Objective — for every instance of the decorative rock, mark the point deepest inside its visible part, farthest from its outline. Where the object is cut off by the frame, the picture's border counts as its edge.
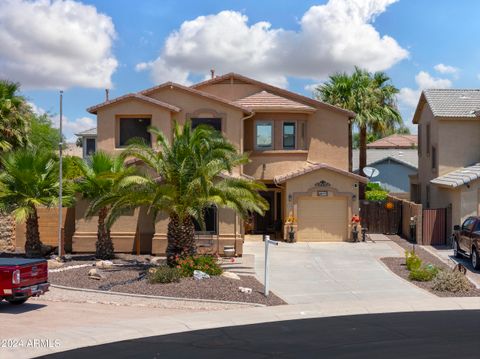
(104, 264)
(157, 261)
(54, 263)
(95, 274)
(199, 275)
(245, 290)
(231, 275)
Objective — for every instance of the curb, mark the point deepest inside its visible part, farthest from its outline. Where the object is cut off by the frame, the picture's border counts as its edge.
(132, 295)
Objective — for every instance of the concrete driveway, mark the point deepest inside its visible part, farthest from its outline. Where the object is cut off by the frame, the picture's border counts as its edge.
(304, 273)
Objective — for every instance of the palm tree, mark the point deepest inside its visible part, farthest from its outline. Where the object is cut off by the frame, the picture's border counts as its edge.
(371, 96)
(29, 179)
(15, 117)
(99, 175)
(188, 175)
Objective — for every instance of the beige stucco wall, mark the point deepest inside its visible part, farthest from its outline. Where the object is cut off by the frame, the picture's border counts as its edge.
(340, 185)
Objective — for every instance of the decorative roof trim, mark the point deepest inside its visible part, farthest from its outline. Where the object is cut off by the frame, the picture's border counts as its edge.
(86, 133)
(314, 167)
(274, 89)
(460, 177)
(195, 92)
(137, 96)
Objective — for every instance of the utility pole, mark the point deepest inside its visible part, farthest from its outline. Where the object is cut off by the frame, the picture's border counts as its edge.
(60, 179)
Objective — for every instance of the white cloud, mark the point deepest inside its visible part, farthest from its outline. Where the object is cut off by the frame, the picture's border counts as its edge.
(55, 44)
(445, 69)
(409, 97)
(311, 87)
(332, 37)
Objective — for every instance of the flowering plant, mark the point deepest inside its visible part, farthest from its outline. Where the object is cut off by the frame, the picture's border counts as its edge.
(356, 218)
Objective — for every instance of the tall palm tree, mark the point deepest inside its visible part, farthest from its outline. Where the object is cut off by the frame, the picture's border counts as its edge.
(187, 176)
(100, 175)
(371, 96)
(29, 180)
(15, 115)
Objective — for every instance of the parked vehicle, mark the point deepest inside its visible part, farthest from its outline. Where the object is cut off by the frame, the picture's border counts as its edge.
(466, 240)
(22, 278)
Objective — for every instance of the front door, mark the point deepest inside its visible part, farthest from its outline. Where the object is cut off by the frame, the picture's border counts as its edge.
(270, 223)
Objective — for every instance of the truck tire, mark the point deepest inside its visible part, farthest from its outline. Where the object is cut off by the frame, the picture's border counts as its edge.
(456, 252)
(475, 259)
(17, 301)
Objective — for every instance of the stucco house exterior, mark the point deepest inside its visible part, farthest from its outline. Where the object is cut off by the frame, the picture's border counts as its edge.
(297, 146)
(449, 153)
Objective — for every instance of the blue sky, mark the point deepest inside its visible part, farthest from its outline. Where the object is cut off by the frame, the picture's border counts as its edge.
(86, 46)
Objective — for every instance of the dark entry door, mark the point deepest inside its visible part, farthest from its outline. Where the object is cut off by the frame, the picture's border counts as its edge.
(269, 223)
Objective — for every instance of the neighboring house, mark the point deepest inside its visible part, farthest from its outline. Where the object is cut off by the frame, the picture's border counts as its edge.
(449, 152)
(298, 147)
(89, 141)
(395, 141)
(395, 167)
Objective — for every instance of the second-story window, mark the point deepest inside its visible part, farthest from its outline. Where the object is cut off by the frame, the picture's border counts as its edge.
(289, 133)
(134, 128)
(264, 135)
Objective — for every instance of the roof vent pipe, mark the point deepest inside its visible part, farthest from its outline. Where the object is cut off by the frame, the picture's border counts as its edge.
(212, 72)
(107, 92)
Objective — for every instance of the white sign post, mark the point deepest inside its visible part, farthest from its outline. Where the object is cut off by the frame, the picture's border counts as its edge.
(266, 281)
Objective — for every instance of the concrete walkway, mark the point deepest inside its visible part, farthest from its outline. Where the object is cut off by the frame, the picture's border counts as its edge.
(340, 273)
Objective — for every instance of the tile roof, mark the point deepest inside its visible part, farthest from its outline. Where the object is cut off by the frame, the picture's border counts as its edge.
(137, 96)
(89, 132)
(264, 100)
(458, 177)
(395, 141)
(312, 166)
(273, 89)
(406, 156)
(195, 92)
(453, 102)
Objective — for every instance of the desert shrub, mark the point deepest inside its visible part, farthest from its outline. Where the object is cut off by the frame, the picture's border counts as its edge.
(207, 264)
(424, 273)
(412, 261)
(164, 274)
(376, 195)
(451, 281)
(372, 186)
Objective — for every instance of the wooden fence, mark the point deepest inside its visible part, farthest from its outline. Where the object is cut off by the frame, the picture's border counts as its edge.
(434, 226)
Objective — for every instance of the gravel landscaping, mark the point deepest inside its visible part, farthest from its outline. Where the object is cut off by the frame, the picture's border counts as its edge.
(124, 279)
(397, 265)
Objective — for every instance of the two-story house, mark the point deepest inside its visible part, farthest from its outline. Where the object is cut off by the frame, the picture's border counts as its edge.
(298, 147)
(448, 153)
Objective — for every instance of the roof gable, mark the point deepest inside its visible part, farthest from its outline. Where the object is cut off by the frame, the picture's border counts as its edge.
(133, 96)
(267, 101)
(274, 90)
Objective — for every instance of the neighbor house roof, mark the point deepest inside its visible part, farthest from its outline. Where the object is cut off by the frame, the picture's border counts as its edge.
(267, 101)
(455, 103)
(395, 141)
(458, 177)
(89, 132)
(137, 96)
(273, 89)
(312, 166)
(407, 156)
(197, 93)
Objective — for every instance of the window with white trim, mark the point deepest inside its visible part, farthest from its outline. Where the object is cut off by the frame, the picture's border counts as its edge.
(289, 133)
(264, 135)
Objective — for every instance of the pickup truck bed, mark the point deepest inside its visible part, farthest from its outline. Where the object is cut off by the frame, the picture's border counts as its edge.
(22, 278)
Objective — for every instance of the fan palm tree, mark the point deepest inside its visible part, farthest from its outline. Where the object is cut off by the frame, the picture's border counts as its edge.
(188, 175)
(14, 117)
(371, 96)
(100, 175)
(29, 180)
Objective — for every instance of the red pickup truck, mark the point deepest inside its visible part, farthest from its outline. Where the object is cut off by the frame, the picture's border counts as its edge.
(22, 278)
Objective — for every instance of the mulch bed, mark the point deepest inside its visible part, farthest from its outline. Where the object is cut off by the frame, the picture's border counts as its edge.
(397, 266)
(124, 280)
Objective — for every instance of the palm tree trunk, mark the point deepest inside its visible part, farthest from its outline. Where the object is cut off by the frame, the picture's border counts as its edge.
(181, 239)
(363, 157)
(33, 245)
(104, 245)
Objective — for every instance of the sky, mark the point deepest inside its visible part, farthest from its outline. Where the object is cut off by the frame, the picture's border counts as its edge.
(83, 47)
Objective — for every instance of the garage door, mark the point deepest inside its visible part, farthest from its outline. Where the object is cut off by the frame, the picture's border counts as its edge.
(322, 219)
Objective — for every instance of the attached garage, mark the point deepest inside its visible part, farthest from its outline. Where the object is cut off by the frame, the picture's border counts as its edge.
(322, 219)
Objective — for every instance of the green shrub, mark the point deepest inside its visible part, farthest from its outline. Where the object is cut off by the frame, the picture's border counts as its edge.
(412, 261)
(207, 264)
(423, 274)
(372, 186)
(164, 274)
(451, 281)
(376, 195)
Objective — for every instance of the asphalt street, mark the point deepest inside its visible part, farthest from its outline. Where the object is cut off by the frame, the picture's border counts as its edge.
(443, 334)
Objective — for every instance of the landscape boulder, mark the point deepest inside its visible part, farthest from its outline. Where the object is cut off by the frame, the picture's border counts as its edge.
(95, 274)
(54, 263)
(231, 275)
(104, 264)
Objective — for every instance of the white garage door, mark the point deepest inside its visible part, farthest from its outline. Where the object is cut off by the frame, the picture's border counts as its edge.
(322, 219)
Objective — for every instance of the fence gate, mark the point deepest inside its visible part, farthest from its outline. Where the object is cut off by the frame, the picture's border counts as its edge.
(434, 226)
(382, 217)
